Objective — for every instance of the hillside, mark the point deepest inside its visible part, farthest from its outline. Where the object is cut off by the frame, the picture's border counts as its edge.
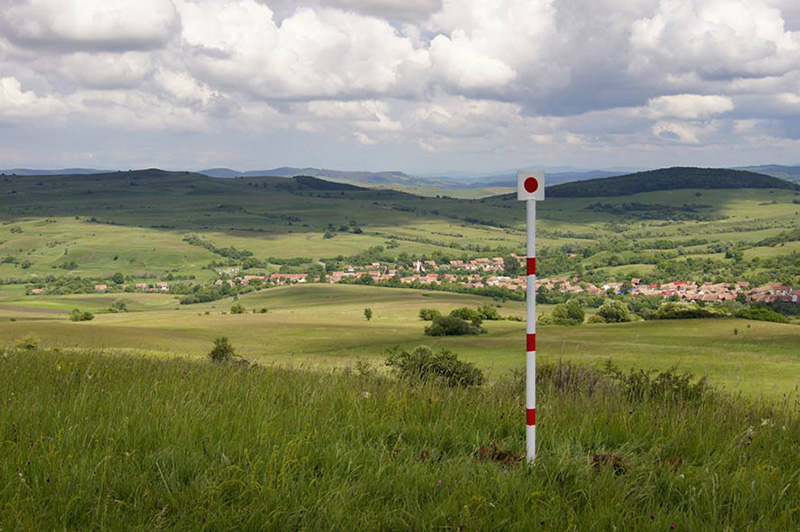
(354, 177)
(98, 442)
(668, 179)
(789, 173)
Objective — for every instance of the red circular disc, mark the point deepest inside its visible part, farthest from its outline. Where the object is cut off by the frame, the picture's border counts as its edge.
(531, 185)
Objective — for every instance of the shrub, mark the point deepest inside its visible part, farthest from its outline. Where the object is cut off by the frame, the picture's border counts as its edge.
(614, 312)
(489, 312)
(422, 364)
(666, 386)
(762, 314)
(429, 314)
(368, 313)
(237, 308)
(263, 310)
(682, 310)
(78, 315)
(466, 313)
(452, 326)
(223, 351)
(118, 305)
(569, 313)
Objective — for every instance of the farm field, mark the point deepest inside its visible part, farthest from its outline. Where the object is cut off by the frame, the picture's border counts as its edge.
(323, 326)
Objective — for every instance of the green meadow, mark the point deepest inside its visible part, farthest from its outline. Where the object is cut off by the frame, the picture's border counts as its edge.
(98, 441)
(323, 326)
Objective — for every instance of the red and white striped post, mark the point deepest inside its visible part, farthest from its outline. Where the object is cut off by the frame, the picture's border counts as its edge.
(530, 188)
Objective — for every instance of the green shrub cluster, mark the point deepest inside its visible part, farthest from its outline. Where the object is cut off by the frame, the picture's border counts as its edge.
(79, 315)
(423, 364)
(453, 326)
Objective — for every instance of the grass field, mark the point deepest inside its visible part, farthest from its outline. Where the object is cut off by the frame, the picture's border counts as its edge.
(143, 218)
(324, 326)
(92, 441)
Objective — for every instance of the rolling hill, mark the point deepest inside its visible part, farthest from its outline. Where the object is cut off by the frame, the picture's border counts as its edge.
(668, 179)
(789, 173)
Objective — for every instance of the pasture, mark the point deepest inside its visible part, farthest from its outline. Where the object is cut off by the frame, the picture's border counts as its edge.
(323, 326)
(96, 441)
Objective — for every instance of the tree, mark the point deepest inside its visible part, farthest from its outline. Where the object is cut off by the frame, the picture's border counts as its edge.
(614, 312)
(78, 315)
(429, 314)
(237, 308)
(741, 297)
(368, 313)
(222, 350)
(452, 326)
(510, 266)
(569, 313)
(118, 278)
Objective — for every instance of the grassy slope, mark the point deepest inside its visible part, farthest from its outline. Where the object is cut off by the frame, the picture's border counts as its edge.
(322, 325)
(92, 442)
(234, 212)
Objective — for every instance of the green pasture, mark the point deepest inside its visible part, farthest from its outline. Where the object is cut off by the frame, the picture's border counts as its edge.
(94, 441)
(324, 326)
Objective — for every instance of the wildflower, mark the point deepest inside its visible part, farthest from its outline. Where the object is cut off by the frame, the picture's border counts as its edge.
(365, 395)
(439, 483)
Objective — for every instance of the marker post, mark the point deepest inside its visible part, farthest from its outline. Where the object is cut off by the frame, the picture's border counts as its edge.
(530, 189)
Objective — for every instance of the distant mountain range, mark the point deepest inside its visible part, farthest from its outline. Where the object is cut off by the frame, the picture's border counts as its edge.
(556, 175)
(790, 173)
(60, 171)
(392, 177)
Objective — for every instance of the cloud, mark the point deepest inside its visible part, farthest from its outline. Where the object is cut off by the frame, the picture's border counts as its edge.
(478, 82)
(312, 54)
(90, 24)
(689, 106)
(16, 103)
(714, 39)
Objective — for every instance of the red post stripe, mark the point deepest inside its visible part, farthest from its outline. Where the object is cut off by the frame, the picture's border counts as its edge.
(531, 265)
(531, 342)
(530, 416)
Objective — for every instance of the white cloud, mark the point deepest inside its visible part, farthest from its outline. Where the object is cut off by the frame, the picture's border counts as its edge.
(457, 80)
(715, 39)
(17, 103)
(689, 106)
(90, 24)
(312, 54)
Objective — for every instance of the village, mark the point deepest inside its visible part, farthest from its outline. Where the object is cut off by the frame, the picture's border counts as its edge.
(489, 272)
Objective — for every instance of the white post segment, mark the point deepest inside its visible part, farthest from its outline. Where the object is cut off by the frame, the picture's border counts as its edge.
(530, 188)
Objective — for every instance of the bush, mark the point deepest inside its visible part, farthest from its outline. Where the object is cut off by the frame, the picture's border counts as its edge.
(466, 313)
(422, 364)
(118, 305)
(78, 315)
(223, 351)
(683, 310)
(665, 386)
(614, 312)
(762, 314)
(569, 313)
(237, 308)
(368, 314)
(489, 312)
(452, 326)
(429, 314)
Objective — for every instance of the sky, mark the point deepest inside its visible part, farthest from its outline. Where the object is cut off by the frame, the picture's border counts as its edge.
(423, 86)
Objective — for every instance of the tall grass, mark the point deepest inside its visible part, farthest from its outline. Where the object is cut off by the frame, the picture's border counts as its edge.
(99, 442)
